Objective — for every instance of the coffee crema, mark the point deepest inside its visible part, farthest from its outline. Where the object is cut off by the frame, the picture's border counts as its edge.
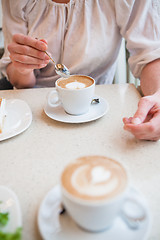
(94, 178)
(75, 82)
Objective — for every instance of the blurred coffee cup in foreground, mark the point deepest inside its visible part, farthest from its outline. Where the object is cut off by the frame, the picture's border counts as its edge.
(94, 190)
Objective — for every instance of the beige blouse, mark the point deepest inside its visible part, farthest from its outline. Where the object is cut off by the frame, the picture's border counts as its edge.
(86, 35)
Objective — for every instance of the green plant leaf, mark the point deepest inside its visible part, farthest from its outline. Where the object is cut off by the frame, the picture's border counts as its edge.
(4, 217)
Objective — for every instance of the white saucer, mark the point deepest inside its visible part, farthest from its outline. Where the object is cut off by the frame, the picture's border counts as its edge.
(9, 203)
(18, 118)
(96, 111)
(53, 226)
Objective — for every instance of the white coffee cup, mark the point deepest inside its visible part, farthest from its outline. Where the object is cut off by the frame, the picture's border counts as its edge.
(95, 203)
(74, 93)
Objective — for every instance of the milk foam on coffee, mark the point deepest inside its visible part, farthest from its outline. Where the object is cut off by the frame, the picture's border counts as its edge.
(75, 82)
(100, 182)
(94, 178)
(75, 85)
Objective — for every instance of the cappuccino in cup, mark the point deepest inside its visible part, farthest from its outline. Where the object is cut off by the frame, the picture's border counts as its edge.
(74, 93)
(75, 82)
(94, 178)
(93, 191)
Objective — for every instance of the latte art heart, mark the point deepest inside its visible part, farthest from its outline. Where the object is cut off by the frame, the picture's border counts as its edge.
(75, 85)
(99, 174)
(93, 183)
(94, 178)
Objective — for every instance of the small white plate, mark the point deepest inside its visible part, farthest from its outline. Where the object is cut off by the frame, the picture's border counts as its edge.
(18, 118)
(53, 226)
(9, 203)
(96, 111)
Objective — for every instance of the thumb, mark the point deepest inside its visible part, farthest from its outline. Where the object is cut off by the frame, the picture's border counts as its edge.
(144, 106)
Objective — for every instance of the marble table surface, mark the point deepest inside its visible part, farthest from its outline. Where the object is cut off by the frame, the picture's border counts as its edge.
(31, 162)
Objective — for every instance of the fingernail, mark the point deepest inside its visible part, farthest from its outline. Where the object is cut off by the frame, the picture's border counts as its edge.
(126, 120)
(130, 119)
(136, 121)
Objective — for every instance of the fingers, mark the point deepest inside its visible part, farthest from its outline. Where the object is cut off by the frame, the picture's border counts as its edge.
(27, 59)
(144, 106)
(127, 120)
(149, 130)
(27, 52)
(145, 132)
(43, 40)
(145, 124)
(29, 41)
(21, 66)
(131, 120)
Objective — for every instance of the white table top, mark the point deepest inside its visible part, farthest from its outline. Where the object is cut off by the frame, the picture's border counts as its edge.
(32, 161)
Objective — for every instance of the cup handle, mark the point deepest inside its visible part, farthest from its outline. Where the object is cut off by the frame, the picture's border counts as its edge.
(53, 99)
(133, 213)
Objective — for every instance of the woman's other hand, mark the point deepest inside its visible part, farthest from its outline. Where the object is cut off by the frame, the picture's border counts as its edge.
(145, 124)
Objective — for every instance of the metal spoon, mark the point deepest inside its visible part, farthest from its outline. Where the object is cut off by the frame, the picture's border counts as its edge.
(60, 68)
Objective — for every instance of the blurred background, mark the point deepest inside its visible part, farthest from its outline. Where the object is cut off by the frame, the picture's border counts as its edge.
(123, 74)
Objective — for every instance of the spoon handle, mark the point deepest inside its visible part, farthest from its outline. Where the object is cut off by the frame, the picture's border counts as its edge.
(50, 57)
(48, 54)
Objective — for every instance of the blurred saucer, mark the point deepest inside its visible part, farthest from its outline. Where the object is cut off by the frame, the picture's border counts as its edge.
(97, 110)
(53, 226)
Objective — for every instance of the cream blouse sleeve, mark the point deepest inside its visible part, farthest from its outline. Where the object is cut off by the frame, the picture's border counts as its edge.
(14, 21)
(139, 23)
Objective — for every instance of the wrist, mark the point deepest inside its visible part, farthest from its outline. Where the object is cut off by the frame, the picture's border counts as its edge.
(21, 78)
(20, 71)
